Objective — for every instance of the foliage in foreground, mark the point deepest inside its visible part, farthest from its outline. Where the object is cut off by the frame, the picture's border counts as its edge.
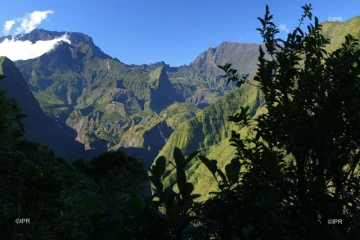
(298, 170)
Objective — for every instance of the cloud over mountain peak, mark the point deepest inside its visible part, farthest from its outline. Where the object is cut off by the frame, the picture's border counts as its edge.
(16, 49)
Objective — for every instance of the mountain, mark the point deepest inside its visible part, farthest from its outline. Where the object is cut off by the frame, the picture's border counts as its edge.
(201, 81)
(110, 105)
(210, 126)
(209, 130)
(336, 31)
(80, 40)
(98, 97)
(240, 54)
(38, 126)
(106, 104)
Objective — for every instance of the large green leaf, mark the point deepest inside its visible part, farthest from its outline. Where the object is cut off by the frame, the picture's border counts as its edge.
(180, 167)
(229, 172)
(160, 165)
(179, 158)
(236, 169)
(186, 190)
(191, 156)
(91, 205)
(158, 184)
(211, 165)
(174, 213)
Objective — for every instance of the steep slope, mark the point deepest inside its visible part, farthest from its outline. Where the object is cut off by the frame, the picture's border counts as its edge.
(38, 126)
(336, 31)
(111, 105)
(193, 135)
(242, 55)
(223, 152)
(97, 96)
(201, 81)
(210, 126)
(209, 132)
(177, 113)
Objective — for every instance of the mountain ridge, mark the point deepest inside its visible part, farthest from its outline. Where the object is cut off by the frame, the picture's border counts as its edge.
(110, 104)
(38, 126)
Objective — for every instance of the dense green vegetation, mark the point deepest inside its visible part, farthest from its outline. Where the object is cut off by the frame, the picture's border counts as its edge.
(247, 95)
(294, 164)
(38, 127)
(101, 98)
(57, 197)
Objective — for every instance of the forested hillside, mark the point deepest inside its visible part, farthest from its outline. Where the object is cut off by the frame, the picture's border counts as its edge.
(270, 155)
(38, 126)
(108, 105)
(209, 131)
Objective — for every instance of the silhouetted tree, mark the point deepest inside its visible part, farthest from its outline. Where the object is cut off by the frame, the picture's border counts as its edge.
(300, 167)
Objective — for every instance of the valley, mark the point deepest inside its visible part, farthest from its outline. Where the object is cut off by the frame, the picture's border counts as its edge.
(105, 104)
(249, 140)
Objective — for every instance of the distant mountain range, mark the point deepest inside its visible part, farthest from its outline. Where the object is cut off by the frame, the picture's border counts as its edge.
(38, 126)
(105, 104)
(209, 131)
(110, 105)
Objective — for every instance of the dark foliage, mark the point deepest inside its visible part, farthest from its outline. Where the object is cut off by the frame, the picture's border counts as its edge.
(296, 170)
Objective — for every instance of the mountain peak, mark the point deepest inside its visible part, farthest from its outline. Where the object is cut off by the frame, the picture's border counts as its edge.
(40, 34)
(82, 42)
(38, 127)
(7, 64)
(4, 59)
(158, 77)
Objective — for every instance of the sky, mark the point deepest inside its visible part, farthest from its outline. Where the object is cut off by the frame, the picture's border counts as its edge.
(148, 31)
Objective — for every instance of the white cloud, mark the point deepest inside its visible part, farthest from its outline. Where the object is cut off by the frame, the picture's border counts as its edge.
(23, 50)
(28, 22)
(7, 26)
(283, 27)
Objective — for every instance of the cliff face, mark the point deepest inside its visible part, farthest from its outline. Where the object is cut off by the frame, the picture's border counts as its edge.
(243, 56)
(105, 104)
(38, 126)
(162, 92)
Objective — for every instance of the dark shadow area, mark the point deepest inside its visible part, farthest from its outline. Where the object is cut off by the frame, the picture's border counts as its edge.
(156, 136)
(120, 83)
(79, 149)
(61, 120)
(96, 143)
(201, 106)
(45, 83)
(87, 111)
(33, 88)
(142, 154)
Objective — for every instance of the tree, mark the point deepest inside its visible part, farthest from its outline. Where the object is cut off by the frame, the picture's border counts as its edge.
(295, 172)
(300, 168)
(11, 119)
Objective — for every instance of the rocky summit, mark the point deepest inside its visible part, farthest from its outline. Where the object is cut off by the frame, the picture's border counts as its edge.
(105, 104)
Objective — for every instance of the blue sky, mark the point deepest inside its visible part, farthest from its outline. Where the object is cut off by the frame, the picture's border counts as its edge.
(174, 31)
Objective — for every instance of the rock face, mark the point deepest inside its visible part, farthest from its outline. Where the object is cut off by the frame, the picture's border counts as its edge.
(162, 92)
(38, 126)
(83, 42)
(243, 56)
(105, 104)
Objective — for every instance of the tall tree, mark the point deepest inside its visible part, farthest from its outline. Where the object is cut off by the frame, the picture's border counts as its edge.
(301, 162)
